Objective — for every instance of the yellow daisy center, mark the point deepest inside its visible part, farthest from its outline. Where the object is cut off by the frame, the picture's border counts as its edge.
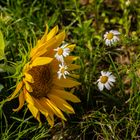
(103, 79)
(62, 70)
(60, 51)
(110, 36)
(42, 76)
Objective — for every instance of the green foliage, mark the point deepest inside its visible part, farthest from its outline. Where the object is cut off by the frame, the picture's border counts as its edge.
(2, 46)
(109, 115)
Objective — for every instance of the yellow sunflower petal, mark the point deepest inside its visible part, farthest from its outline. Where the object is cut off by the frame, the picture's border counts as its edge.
(28, 98)
(44, 38)
(26, 67)
(39, 53)
(43, 49)
(41, 61)
(73, 66)
(38, 105)
(35, 107)
(35, 49)
(21, 101)
(65, 95)
(19, 86)
(27, 85)
(35, 104)
(58, 41)
(49, 116)
(67, 83)
(52, 33)
(55, 41)
(28, 78)
(70, 59)
(71, 47)
(35, 112)
(74, 76)
(54, 108)
(60, 37)
(49, 45)
(45, 106)
(60, 103)
(47, 36)
(50, 120)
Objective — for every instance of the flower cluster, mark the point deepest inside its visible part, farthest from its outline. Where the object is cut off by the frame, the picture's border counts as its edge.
(61, 53)
(41, 85)
(107, 79)
(44, 81)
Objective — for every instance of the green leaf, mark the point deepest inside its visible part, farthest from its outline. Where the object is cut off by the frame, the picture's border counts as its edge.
(2, 46)
(1, 87)
(6, 68)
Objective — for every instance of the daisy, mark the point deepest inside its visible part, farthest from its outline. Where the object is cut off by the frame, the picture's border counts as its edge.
(39, 86)
(111, 37)
(106, 79)
(62, 52)
(62, 71)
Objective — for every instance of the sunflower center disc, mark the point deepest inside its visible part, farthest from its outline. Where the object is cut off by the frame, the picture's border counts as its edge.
(104, 79)
(42, 81)
(110, 36)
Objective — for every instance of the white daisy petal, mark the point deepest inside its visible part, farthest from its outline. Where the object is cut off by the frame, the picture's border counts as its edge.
(112, 78)
(64, 45)
(107, 42)
(64, 76)
(110, 83)
(115, 32)
(116, 39)
(59, 58)
(105, 35)
(105, 73)
(113, 40)
(100, 86)
(59, 75)
(102, 72)
(108, 73)
(107, 86)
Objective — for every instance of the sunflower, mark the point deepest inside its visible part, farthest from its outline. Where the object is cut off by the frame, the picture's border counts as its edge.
(41, 86)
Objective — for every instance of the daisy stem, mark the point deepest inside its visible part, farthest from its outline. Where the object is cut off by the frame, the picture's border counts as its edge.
(118, 76)
(77, 12)
(111, 97)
